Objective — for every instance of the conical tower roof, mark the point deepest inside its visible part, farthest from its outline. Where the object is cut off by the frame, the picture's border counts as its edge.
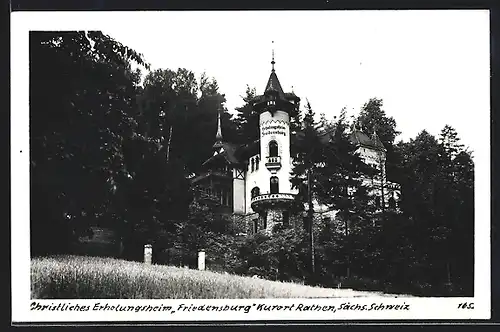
(273, 84)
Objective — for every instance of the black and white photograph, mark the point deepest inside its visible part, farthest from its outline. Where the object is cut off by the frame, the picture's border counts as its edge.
(317, 158)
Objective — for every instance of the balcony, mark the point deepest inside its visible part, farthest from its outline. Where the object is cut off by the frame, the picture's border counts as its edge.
(273, 163)
(266, 200)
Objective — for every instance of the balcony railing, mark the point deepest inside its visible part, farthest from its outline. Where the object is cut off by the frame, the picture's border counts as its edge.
(221, 173)
(266, 197)
(273, 162)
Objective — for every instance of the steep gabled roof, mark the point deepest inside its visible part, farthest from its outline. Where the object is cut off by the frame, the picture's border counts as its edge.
(228, 153)
(359, 138)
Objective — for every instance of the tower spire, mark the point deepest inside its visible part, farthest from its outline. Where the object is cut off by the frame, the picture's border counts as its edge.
(219, 129)
(272, 61)
(218, 136)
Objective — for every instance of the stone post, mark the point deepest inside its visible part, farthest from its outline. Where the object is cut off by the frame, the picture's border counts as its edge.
(148, 253)
(201, 260)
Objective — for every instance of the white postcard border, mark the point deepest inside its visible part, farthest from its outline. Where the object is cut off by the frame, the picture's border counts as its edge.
(421, 308)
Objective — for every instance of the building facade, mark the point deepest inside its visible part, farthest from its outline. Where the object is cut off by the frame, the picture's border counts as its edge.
(252, 182)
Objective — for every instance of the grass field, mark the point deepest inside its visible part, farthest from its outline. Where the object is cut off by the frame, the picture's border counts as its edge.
(82, 277)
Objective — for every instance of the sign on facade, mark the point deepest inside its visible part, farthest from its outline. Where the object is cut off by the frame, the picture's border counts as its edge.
(273, 130)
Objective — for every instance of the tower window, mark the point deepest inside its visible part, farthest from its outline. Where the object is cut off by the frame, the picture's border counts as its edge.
(257, 163)
(255, 192)
(273, 149)
(377, 202)
(286, 218)
(274, 185)
(263, 217)
(255, 225)
(253, 164)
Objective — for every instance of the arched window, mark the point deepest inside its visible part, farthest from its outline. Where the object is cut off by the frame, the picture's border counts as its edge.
(274, 185)
(392, 202)
(255, 192)
(273, 149)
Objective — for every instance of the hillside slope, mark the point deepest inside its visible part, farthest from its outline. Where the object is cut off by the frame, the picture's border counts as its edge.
(81, 277)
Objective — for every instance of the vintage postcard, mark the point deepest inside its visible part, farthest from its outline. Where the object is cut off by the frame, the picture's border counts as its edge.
(245, 166)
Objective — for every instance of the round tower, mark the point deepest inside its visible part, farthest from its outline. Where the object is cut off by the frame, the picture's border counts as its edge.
(275, 195)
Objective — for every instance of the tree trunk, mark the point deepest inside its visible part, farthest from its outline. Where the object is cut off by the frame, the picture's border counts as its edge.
(382, 201)
(448, 272)
(310, 219)
(168, 144)
(348, 256)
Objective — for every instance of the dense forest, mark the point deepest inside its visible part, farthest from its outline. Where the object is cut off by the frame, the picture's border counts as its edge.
(114, 147)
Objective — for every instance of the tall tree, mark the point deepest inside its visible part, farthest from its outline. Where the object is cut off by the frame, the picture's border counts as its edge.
(175, 105)
(373, 118)
(432, 200)
(247, 120)
(452, 195)
(340, 183)
(308, 155)
(82, 105)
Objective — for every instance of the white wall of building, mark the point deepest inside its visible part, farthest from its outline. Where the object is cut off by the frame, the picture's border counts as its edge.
(239, 194)
(372, 157)
(276, 127)
(271, 127)
(254, 179)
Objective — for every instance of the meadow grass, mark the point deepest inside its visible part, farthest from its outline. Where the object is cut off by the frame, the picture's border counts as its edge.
(85, 277)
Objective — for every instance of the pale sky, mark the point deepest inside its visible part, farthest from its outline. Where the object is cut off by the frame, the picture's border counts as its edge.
(431, 68)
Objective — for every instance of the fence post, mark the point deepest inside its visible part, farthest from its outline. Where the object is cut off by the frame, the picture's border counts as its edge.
(148, 253)
(201, 260)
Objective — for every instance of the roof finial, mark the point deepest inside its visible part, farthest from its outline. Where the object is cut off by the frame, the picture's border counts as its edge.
(272, 62)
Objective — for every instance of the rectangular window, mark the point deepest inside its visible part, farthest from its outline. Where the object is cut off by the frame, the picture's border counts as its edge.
(286, 218)
(274, 185)
(255, 225)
